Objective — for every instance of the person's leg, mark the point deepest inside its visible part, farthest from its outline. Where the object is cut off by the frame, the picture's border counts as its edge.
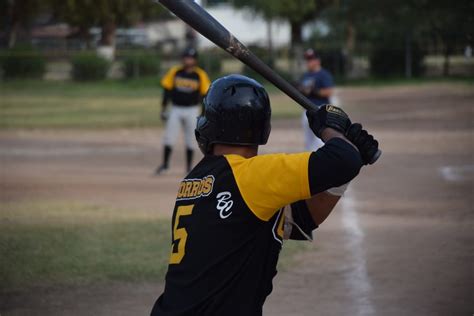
(189, 120)
(169, 139)
(189, 159)
(316, 143)
(311, 142)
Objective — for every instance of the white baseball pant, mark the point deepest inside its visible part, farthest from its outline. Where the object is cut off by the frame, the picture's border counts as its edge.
(311, 142)
(186, 117)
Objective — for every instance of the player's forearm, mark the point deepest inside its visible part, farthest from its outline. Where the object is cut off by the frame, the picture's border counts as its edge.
(325, 92)
(306, 215)
(321, 205)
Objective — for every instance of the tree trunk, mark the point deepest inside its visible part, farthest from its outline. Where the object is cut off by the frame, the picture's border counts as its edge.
(296, 34)
(350, 46)
(106, 47)
(191, 37)
(408, 56)
(296, 49)
(446, 63)
(350, 36)
(108, 34)
(84, 37)
(12, 34)
(270, 40)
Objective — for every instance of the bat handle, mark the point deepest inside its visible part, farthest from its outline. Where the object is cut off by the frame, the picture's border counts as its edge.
(375, 157)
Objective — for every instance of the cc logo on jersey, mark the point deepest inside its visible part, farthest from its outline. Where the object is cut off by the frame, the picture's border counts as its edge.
(224, 204)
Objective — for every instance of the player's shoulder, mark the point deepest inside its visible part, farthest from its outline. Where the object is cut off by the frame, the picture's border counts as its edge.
(200, 71)
(325, 72)
(266, 161)
(175, 69)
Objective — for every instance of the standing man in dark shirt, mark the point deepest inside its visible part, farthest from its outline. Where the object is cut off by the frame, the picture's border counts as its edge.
(184, 86)
(316, 84)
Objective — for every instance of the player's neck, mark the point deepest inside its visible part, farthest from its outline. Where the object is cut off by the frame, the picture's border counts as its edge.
(189, 69)
(244, 151)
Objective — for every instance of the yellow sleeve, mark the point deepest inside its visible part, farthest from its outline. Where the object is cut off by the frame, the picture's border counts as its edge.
(269, 182)
(203, 80)
(167, 81)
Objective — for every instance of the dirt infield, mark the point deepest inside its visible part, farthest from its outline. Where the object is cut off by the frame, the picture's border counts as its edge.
(401, 242)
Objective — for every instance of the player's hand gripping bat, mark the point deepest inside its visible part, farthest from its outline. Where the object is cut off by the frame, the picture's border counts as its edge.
(196, 17)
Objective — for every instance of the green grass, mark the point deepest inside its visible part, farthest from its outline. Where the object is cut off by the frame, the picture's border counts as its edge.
(107, 104)
(76, 244)
(123, 104)
(70, 244)
(289, 250)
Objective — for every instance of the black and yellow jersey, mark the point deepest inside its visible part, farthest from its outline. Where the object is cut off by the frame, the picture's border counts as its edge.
(185, 88)
(227, 227)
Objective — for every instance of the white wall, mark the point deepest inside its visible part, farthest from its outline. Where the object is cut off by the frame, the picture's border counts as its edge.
(247, 27)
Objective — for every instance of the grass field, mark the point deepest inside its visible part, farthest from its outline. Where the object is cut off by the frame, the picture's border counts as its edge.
(108, 104)
(71, 244)
(64, 243)
(111, 104)
(85, 228)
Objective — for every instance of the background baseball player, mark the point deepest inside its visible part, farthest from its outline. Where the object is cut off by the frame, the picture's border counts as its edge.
(316, 84)
(228, 220)
(184, 86)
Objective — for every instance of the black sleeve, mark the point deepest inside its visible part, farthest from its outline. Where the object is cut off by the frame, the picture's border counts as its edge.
(166, 97)
(302, 218)
(333, 165)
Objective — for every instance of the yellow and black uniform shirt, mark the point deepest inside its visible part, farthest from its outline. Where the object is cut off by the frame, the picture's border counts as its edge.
(227, 233)
(227, 226)
(185, 88)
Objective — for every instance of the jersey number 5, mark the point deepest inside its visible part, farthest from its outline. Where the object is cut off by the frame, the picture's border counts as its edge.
(180, 235)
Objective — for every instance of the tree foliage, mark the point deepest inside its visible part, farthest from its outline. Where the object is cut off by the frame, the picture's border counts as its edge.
(295, 12)
(107, 14)
(16, 15)
(406, 27)
(449, 23)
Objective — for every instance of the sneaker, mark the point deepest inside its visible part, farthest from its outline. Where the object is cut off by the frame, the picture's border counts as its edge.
(161, 170)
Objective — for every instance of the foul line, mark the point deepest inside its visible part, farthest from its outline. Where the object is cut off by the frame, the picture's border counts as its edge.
(357, 278)
(457, 173)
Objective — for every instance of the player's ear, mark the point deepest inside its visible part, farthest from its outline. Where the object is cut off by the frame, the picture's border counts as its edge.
(201, 139)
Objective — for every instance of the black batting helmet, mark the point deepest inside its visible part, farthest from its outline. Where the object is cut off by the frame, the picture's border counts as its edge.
(190, 52)
(236, 111)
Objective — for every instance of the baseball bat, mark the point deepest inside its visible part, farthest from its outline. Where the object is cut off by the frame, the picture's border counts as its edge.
(199, 19)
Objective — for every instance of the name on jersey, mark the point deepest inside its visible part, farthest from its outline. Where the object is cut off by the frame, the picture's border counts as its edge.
(186, 84)
(195, 188)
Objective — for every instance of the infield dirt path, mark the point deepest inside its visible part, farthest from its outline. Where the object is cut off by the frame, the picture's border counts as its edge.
(400, 243)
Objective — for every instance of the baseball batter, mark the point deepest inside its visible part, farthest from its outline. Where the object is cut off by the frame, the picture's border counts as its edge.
(234, 209)
(183, 86)
(317, 85)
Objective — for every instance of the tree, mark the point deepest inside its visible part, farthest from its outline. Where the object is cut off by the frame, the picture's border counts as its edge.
(410, 23)
(451, 23)
(17, 14)
(390, 27)
(296, 12)
(108, 14)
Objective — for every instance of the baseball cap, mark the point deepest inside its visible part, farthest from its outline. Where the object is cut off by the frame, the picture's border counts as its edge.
(190, 52)
(311, 54)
